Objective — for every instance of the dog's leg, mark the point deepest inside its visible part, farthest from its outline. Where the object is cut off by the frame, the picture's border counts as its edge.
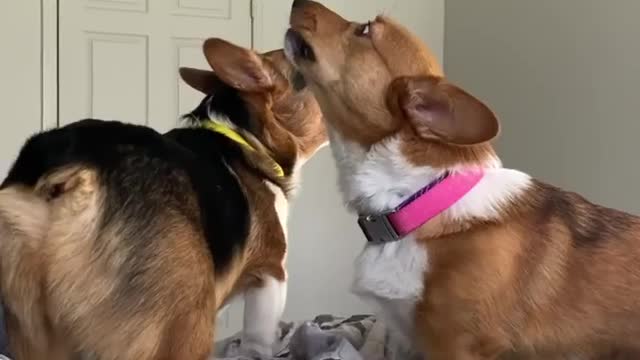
(262, 311)
(192, 336)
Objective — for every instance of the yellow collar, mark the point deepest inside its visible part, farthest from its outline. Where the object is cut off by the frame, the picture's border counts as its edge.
(226, 130)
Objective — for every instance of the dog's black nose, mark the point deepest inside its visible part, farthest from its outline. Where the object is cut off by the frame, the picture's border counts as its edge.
(297, 3)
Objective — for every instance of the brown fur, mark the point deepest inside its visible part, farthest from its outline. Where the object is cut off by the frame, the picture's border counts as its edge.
(548, 279)
(271, 98)
(266, 253)
(554, 277)
(70, 297)
(361, 72)
(60, 274)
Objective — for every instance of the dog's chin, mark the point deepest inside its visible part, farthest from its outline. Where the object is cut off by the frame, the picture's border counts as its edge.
(297, 49)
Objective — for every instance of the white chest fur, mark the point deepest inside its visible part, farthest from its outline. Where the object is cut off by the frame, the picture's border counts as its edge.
(392, 277)
(376, 180)
(281, 205)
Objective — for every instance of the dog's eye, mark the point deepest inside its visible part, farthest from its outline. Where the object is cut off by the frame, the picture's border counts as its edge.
(363, 30)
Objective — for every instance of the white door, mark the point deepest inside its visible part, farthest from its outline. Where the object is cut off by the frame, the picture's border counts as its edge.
(20, 89)
(119, 59)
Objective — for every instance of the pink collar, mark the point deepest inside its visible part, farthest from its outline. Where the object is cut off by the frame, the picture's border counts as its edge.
(421, 207)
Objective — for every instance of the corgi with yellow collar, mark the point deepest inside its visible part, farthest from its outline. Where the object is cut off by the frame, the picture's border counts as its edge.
(117, 242)
(468, 260)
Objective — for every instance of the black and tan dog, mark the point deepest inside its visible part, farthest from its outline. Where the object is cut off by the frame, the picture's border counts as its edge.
(117, 242)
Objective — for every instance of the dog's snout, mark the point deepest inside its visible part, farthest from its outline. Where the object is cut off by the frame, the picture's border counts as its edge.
(298, 3)
(314, 17)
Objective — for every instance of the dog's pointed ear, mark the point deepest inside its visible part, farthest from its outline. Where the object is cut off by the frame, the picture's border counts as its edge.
(439, 110)
(204, 81)
(237, 67)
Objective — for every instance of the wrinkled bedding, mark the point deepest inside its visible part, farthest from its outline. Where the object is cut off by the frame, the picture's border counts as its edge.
(326, 337)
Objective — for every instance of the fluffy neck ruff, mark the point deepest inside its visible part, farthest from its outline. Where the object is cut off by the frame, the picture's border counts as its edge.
(378, 179)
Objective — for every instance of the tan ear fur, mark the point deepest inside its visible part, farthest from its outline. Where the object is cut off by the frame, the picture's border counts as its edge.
(439, 110)
(204, 81)
(237, 67)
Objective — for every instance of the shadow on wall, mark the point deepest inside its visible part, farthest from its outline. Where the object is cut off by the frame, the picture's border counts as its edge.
(563, 77)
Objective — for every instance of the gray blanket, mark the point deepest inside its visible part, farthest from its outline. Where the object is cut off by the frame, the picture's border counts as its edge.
(327, 337)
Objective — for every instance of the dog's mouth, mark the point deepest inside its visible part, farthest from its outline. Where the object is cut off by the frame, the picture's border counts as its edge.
(297, 48)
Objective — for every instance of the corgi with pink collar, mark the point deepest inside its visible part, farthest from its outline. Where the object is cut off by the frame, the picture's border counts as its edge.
(468, 260)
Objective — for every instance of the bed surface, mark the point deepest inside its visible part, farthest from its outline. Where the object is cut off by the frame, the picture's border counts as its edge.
(326, 337)
(359, 337)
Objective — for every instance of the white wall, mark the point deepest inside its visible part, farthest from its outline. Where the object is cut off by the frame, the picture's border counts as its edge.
(323, 238)
(20, 85)
(563, 76)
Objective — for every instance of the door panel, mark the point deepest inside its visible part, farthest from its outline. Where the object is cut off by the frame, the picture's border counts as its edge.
(119, 59)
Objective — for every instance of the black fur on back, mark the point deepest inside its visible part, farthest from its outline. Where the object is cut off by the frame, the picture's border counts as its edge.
(148, 175)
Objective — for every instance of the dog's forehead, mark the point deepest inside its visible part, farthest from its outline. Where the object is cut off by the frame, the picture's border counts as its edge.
(404, 53)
